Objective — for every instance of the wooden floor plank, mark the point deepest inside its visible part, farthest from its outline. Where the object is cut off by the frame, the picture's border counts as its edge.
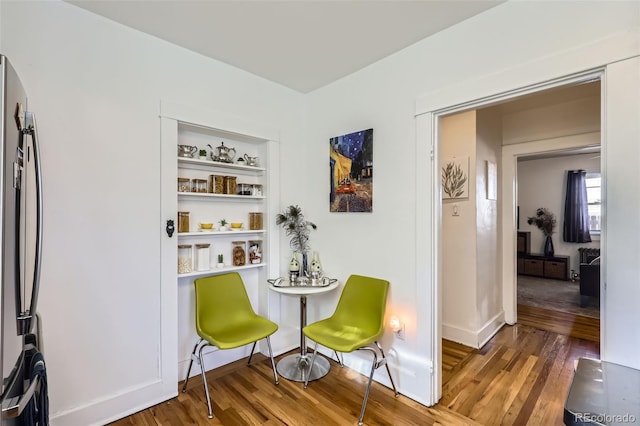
(582, 327)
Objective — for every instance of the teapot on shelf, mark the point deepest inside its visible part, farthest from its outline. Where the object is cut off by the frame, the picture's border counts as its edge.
(222, 153)
(251, 161)
(186, 150)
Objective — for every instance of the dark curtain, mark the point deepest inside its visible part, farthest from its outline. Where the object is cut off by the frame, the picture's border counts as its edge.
(576, 215)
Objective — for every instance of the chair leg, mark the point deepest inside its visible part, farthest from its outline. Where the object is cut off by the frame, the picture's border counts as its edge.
(374, 365)
(313, 360)
(204, 380)
(339, 358)
(273, 362)
(253, 348)
(193, 354)
(386, 364)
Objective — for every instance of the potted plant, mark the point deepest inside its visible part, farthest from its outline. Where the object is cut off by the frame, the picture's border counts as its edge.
(298, 228)
(545, 220)
(203, 154)
(223, 225)
(220, 263)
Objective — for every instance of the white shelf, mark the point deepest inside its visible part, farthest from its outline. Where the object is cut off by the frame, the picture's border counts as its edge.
(208, 164)
(220, 233)
(205, 195)
(218, 271)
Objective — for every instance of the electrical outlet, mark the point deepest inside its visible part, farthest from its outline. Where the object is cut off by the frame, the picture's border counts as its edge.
(400, 332)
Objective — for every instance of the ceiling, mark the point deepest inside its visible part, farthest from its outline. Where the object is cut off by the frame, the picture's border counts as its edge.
(301, 44)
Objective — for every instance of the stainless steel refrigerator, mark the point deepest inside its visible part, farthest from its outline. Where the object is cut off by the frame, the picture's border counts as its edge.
(24, 394)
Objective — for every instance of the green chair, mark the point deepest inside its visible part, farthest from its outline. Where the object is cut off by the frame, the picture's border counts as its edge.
(356, 324)
(226, 319)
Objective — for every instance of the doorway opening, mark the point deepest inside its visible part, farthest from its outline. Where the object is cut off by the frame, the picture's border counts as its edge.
(520, 107)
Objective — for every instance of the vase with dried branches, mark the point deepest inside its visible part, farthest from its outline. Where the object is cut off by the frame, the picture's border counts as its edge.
(298, 228)
(545, 221)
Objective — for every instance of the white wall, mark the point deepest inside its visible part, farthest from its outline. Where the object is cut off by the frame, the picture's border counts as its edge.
(471, 288)
(459, 236)
(621, 251)
(96, 87)
(553, 120)
(542, 183)
(479, 57)
(489, 283)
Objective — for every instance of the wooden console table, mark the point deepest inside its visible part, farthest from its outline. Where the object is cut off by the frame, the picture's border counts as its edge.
(539, 265)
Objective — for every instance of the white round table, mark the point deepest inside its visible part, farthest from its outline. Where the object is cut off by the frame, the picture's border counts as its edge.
(294, 367)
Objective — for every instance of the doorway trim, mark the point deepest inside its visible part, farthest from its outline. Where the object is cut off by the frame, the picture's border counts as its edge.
(428, 137)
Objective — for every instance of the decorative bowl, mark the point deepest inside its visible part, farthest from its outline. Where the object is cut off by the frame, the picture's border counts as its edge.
(236, 225)
(206, 225)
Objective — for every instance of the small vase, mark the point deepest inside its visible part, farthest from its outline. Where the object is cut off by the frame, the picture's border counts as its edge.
(294, 267)
(548, 247)
(315, 264)
(305, 264)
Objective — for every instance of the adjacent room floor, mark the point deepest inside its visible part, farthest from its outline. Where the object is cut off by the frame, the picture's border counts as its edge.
(556, 295)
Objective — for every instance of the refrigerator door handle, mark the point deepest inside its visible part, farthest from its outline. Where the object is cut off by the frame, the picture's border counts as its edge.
(32, 129)
(13, 407)
(26, 313)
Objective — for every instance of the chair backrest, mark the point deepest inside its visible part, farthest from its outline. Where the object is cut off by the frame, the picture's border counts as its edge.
(362, 304)
(221, 300)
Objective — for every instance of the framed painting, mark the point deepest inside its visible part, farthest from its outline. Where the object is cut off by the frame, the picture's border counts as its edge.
(351, 172)
(455, 178)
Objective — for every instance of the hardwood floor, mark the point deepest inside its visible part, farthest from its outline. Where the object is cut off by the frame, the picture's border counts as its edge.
(579, 326)
(520, 377)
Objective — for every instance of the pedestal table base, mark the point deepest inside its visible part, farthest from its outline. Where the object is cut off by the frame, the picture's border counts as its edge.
(295, 367)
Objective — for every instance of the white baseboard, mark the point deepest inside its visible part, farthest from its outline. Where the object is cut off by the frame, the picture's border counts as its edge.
(459, 335)
(490, 328)
(410, 373)
(474, 338)
(124, 403)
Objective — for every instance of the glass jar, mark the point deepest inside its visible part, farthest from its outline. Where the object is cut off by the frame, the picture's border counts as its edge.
(257, 190)
(238, 253)
(216, 184)
(202, 257)
(184, 184)
(199, 185)
(255, 220)
(255, 251)
(183, 221)
(244, 189)
(230, 186)
(184, 258)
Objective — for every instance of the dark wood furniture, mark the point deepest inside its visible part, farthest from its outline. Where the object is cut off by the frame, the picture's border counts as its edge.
(524, 242)
(539, 265)
(589, 282)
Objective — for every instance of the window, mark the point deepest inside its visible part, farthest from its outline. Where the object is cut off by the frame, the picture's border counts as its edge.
(593, 198)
